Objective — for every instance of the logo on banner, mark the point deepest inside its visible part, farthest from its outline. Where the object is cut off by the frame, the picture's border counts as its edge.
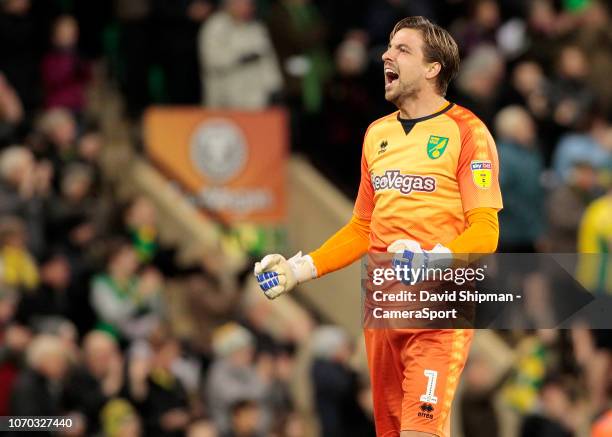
(481, 173)
(219, 150)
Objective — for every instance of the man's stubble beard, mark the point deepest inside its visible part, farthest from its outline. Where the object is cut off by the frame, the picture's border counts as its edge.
(404, 92)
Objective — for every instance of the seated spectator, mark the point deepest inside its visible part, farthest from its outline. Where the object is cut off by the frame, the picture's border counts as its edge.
(99, 379)
(233, 377)
(522, 219)
(239, 66)
(19, 268)
(126, 305)
(65, 75)
(39, 387)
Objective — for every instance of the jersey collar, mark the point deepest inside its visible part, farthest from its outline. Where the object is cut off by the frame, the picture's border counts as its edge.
(409, 123)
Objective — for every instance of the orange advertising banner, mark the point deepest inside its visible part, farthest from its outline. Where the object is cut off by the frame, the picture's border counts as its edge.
(232, 162)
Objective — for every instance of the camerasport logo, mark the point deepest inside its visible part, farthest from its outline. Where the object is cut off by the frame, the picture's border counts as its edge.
(404, 183)
(219, 150)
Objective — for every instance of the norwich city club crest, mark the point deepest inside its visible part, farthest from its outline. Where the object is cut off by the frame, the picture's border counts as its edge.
(436, 146)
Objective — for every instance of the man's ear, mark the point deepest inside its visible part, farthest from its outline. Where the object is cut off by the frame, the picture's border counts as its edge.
(433, 70)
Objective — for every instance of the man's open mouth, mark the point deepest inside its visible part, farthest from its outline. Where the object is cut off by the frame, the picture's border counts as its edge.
(390, 76)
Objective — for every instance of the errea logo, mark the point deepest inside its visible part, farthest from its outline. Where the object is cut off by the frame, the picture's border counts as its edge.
(383, 147)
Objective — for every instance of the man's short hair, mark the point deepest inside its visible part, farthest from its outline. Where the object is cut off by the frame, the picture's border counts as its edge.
(438, 46)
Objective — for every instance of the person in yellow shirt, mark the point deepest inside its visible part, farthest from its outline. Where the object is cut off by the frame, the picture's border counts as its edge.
(594, 269)
(18, 266)
(429, 184)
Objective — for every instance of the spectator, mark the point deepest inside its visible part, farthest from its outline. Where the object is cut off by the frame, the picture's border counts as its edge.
(98, 380)
(233, 377)
(59, 130)
(555, 417)
(11, 112)
(24, 185)
(238, 62)
(119, 419)
(566, 205)
(39, 387)
(14, 342)
(136, 34)
(74, 211)
(478, 82)
(521, 167)
(65, 74)
(19, 269)
(126, 305)
(348, 103)
(245, 418)
(20, 50)
(89, 152)
(479, 28)
(477, 407)
(593, 146)
(51, 298)
(336, 385)
(527, 87)
(158, 394)
(142, 229)
(569, 97)
(594, 237)
(298, 33)
(177, 25)
(202, 428)
(210, 304)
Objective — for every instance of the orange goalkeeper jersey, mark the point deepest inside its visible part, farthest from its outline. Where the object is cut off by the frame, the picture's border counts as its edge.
(420, 176)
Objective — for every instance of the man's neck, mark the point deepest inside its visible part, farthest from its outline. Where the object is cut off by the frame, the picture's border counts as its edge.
(421, 105)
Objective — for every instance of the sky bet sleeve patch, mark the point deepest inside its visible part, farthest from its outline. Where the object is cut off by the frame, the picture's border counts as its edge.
(482, 173)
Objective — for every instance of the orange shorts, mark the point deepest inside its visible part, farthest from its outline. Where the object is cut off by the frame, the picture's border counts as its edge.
(414, 376)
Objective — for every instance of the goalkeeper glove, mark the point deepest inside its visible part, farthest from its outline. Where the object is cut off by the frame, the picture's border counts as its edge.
(277, 275)
(409, 253)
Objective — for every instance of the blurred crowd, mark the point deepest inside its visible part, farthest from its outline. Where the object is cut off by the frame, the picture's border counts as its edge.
(85, 326)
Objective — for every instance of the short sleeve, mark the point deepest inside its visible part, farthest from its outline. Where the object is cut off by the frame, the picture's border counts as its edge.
(478, 167)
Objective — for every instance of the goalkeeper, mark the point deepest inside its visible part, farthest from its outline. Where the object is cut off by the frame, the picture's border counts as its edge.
(429, 184)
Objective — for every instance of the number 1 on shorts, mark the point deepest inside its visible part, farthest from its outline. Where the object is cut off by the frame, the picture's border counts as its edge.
(429, 397)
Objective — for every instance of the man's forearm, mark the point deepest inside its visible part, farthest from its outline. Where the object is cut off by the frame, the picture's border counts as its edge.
(343, 248)
(481, 234)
